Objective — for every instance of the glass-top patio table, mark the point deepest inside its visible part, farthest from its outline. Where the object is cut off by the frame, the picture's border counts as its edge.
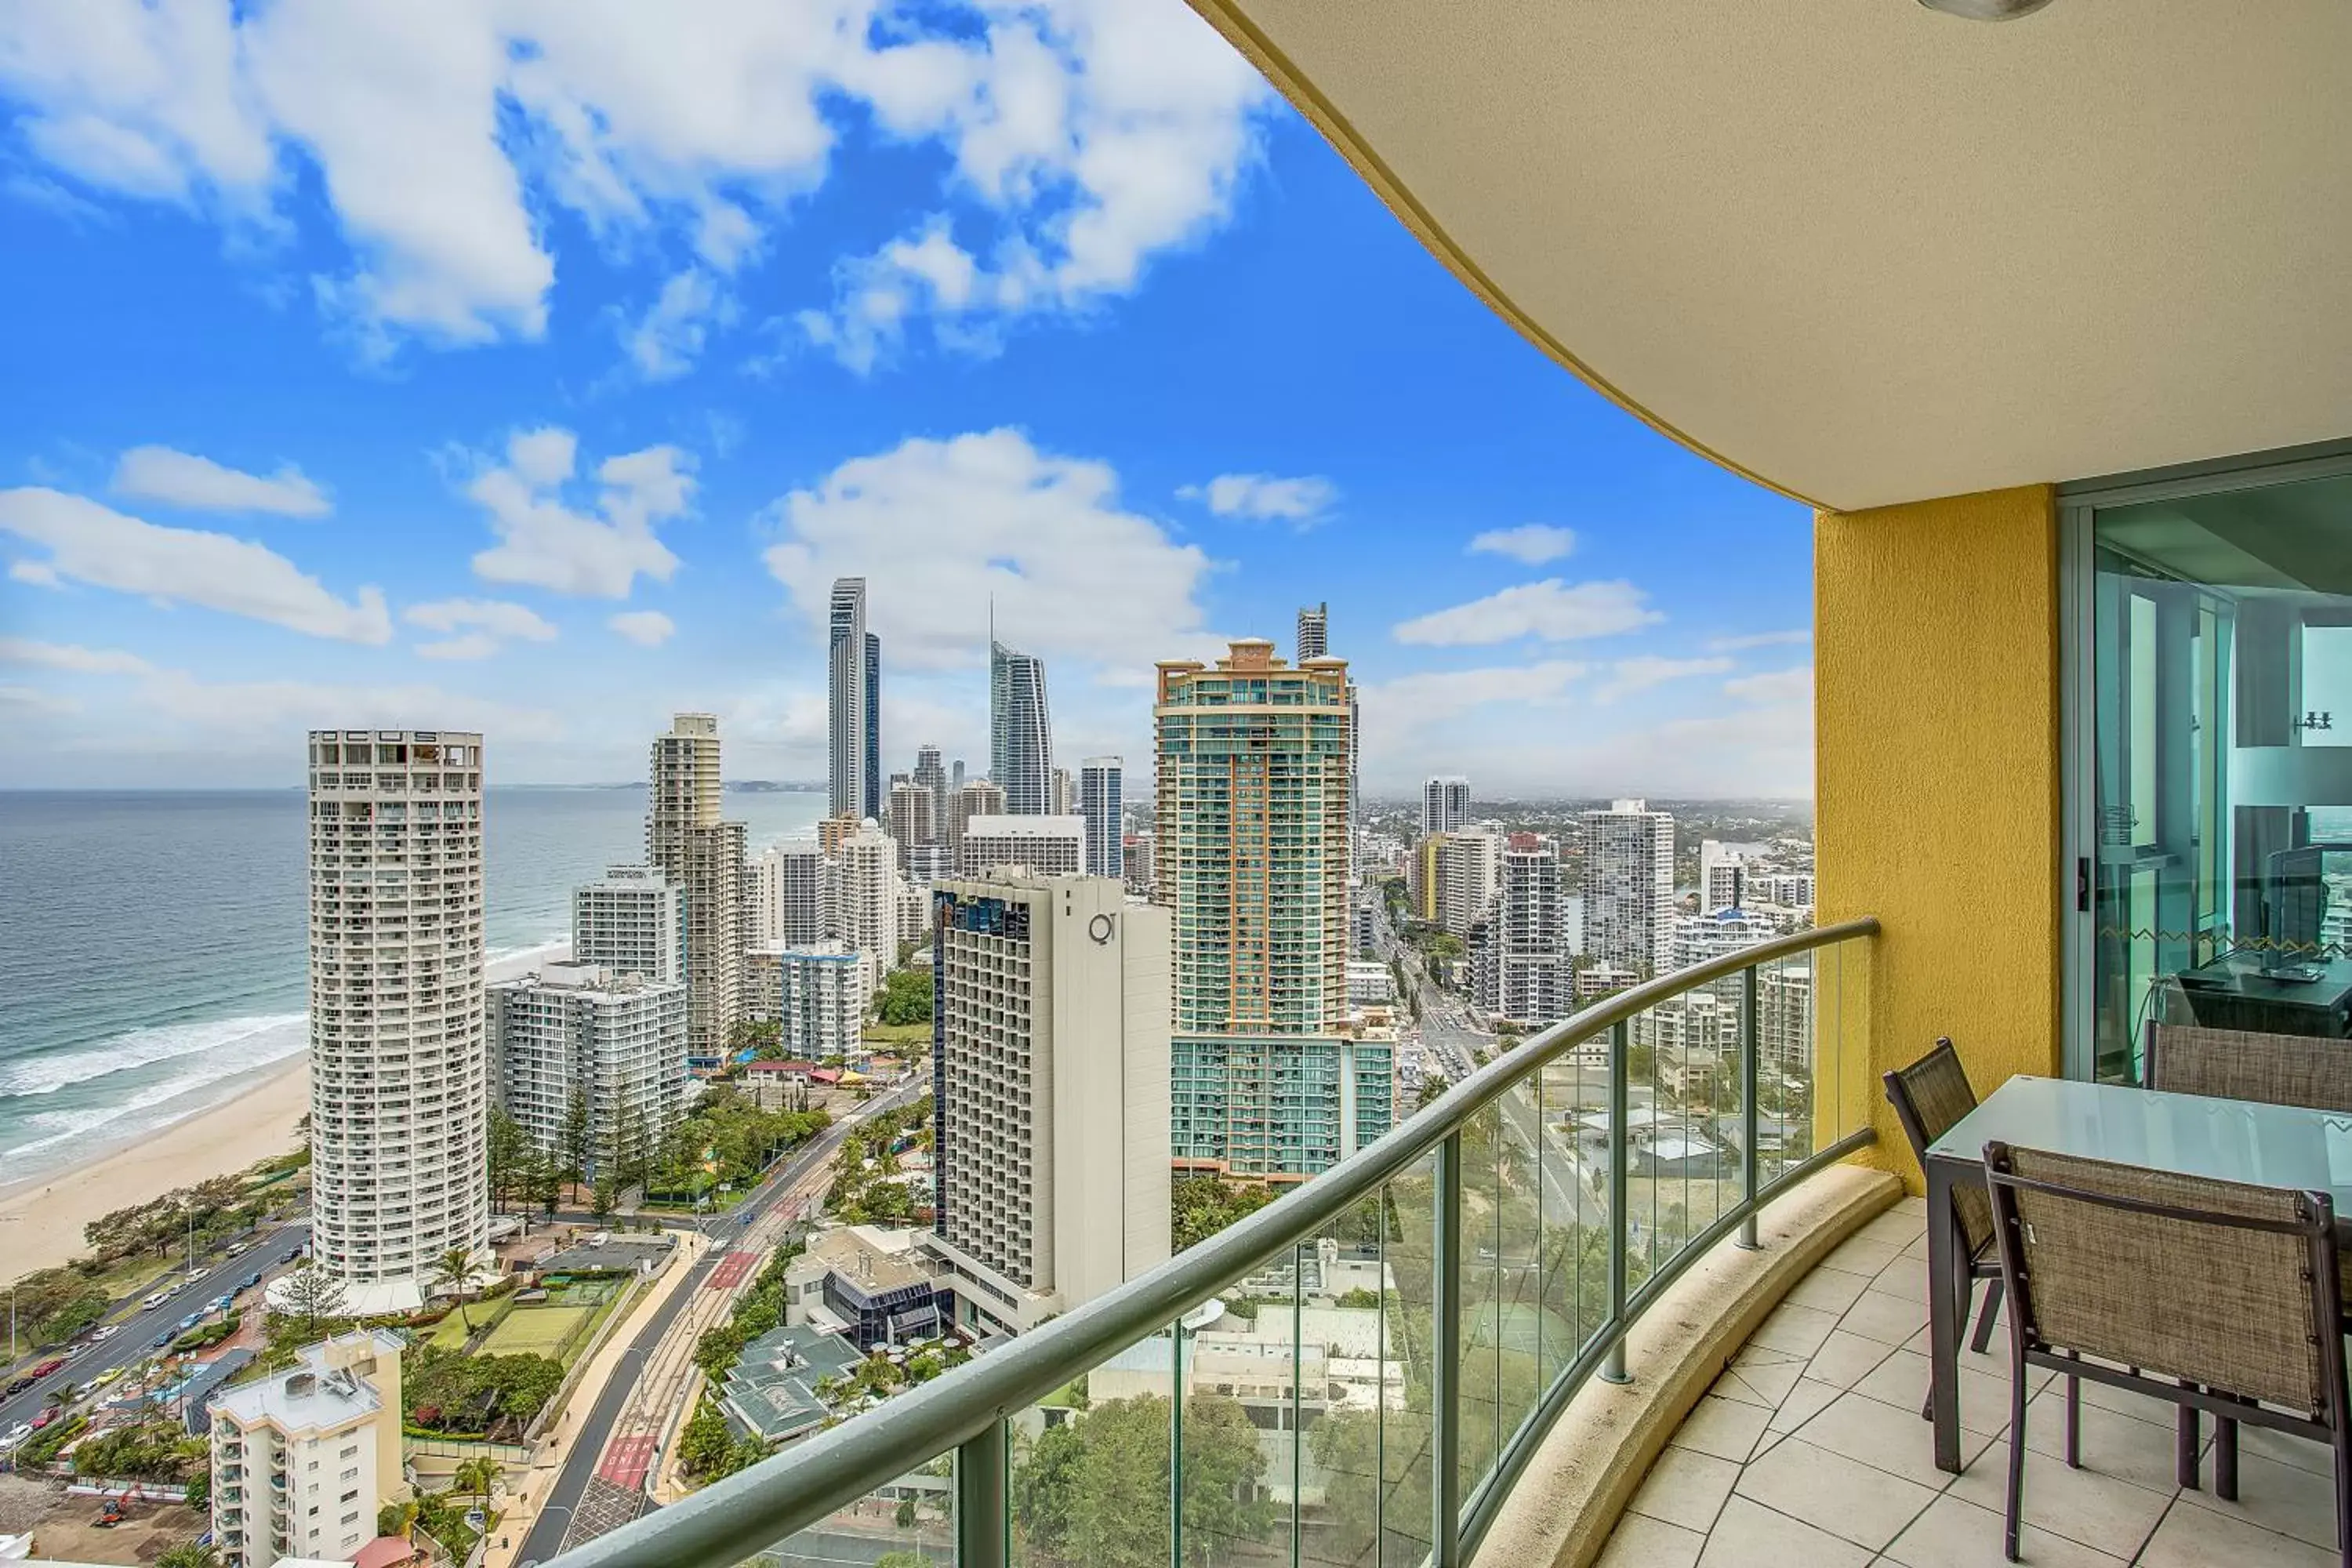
(2233, 1139)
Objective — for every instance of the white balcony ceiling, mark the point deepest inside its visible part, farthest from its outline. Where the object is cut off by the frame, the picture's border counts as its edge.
(1865, 252)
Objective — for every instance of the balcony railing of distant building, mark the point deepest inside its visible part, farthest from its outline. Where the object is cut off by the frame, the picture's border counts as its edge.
(1359, 1372)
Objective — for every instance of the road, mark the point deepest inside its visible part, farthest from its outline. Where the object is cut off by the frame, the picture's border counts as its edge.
(619, 1396)
(135, 1341)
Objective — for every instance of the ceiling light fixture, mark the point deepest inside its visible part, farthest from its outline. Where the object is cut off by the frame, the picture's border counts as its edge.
(1986, 10)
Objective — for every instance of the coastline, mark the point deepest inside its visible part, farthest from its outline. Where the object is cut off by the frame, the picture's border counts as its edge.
(239, 1121)
(41, 1217)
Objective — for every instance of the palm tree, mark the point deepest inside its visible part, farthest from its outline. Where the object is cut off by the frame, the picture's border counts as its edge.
(188, 1555)
(455, 1271)
(476, 1477)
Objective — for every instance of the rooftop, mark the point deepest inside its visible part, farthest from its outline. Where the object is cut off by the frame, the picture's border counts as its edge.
(323, 1391)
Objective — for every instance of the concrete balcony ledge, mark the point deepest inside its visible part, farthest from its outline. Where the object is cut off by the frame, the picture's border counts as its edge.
(1575, 1488)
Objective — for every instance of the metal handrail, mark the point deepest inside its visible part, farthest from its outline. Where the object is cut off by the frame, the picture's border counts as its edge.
(787, 1493)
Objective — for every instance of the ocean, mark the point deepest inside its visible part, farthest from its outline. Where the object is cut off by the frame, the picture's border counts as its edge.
(152, 942)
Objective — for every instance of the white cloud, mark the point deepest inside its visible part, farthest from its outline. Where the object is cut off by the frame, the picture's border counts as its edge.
(594, 554)
(1776, 686)
(1532, 544)
(1396, 711)
(1299, 500)
(91, 543)
(1628, 676)
(1551, 610)
(647, 628)
(199, 484)
(31, 699)
(1759, 639)
(939, 529)
(71, 657)
(665, 344)
(35, 574)
(476, 629)
(1081, 136)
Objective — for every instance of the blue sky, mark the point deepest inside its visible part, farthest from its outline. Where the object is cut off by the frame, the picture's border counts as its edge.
(533, 367)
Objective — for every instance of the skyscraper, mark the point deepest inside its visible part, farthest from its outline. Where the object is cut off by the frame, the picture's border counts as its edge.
(866, 900)
(1314, 632)
(704, 856)
(1469, 868)
(908, 818)
(934, 778)
(790, 891)
(874, 797)
(1629, 888)
(1252, 854)
(1020, 731)
(846, 707)
(632, 922)
(1532, 971)
(399, 1091)
(1100, 788)
(1062, 799)
(1050, 1082)
(1445, 804)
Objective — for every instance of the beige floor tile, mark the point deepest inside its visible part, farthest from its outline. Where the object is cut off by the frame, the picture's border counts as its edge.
(1830, 1289)
(1798, 1331)
(2275, 1497)
(1642, 1543)
(1733, 1386)
(1904, 1277)
(1805, 1401)
(2303, 1453)
(2084, 1506)
(1885, 1438)
(1860, 1254)
(1917, 1248)
(1896, 1226)
(1914, 1205)
(2123, 1446)
(2193, 1537)
(1846, 1358)
(1901, 1380)
(2131, 1402)
(1773, 1382)
(1686, 1488)
(1891, 1320)
(1956, 1535)
(1752, 1536)
(1830, 1491)
(1753, 1354)
(1724, 1427)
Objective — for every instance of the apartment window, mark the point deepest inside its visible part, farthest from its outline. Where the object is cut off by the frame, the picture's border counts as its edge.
(2212, 807)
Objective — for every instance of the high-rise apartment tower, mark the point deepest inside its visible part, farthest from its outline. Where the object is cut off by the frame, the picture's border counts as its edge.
(1100, 786)
(703, 855)
(1629, 888)
(1020, 731)
(845, 700)
(399, 1091)
(1445, 804)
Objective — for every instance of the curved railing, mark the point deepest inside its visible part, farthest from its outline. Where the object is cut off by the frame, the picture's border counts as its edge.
(1394, 1337)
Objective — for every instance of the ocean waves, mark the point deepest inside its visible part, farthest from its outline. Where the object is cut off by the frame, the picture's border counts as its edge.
(249, 1041)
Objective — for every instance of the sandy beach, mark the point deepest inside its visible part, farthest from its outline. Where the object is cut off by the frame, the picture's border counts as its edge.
(41, 1220)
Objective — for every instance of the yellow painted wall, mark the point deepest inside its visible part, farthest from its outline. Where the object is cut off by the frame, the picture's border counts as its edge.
(1935, 692)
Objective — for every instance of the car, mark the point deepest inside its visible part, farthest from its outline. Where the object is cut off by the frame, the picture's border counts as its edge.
(294, 1254)
(238, 1247)
(175, 1287)
(108, 1332)
(191, 1320)
(46, 1368)
(45, 1416)
(151, 1302)
(71, 1353)
(17, 1434)
(248, 1282)
(83, 1391)
(162, 1339)
(103, 1378)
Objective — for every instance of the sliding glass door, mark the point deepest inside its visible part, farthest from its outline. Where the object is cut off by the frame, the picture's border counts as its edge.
(2211, 776)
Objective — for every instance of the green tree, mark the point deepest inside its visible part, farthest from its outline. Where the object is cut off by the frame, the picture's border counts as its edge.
(905, 1517)
(1202, 1206)
(313, 1296)
(604, 1197)
(188, 1555)
(476, 1477)
(1046, 1491)
(507, 1146)
(575, 1138)
(455, 1271)
(902, 1559)
(905, 997)
(1119, 1504)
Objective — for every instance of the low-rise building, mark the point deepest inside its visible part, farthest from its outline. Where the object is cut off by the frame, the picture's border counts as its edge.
(1369, 983)
(301, 1460)
(772, 1391)
(870, 1284)
(1049, 845)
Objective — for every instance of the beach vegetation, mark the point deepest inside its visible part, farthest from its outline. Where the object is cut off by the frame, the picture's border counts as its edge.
(311, 1297)
(156, 1449)
(1095, 1491)
(189, 1554)
(53, 1305)
(49, 1442)
(509, 1150)
(708, 1448)
(456, 1272)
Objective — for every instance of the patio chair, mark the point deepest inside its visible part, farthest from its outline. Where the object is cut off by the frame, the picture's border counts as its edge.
(2270, 1069)
(1929, 1097)
(2247, 1330)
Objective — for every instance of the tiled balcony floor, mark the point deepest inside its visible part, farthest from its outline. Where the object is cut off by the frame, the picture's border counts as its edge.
(1809, 1451)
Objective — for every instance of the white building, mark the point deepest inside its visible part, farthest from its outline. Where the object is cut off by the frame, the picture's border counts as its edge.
(302, 1459)
(1100, 786)
(1531, 982)
(1445, 804)
(866, 887)
(927, 863)
(1053, 1134)
(686, 838)
(1050, 845)
(1725, 871)
(849, 704)
(792, 887)
(1629, 887)
(912, 819)
(632, 922)
(611, 1042)
(1369, 984)
(399, 1101)
(817, 993)
(1469, 866)
(973, 797)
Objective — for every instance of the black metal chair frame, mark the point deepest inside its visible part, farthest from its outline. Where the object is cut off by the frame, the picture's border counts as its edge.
(1983, 1266)
(2316, 1227)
